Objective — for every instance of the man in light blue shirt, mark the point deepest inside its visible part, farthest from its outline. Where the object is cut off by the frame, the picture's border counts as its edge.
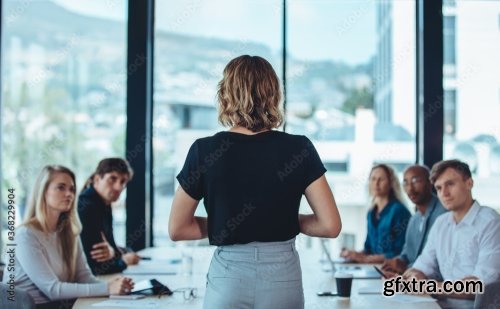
(419, 189)
(463, 244)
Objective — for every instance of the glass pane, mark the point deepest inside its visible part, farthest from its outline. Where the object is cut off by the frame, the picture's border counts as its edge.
(63, 91)
(472, 94)
(351, 89)
(194, 40)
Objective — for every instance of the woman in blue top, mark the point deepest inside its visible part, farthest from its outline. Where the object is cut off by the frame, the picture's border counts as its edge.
(251, 179)
(387, 219)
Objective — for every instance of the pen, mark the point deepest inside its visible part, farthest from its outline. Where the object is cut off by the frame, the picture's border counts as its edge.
(380, 272)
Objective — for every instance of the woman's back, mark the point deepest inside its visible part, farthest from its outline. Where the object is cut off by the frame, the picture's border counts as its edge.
(251, 184)
(251, 179)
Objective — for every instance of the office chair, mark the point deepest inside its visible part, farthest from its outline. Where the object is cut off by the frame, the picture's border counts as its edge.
(490, 298)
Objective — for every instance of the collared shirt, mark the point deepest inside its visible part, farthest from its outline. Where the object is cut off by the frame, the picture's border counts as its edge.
(418, 229)
(469, 248)
(386, 234)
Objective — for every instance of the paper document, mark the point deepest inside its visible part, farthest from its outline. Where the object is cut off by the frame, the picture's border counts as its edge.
(130, 296)
(127, 303)
(370, 290)
(151, 268)
(410, 299)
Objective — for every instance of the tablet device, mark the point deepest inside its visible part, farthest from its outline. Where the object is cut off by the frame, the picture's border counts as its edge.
(154, 285)
(141, 286)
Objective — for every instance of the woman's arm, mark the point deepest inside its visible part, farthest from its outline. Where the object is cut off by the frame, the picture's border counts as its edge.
(398, 233)
(183, 224)
(372, 258)
(35, 264)
(82, 270)
(325, 220)
(362, 257)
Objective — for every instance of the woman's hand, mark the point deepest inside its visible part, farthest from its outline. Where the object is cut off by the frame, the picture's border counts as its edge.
(359, 257)
(120, 285)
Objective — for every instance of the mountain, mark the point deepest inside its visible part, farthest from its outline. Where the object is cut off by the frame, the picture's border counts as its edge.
(41, 21)
(184, 61)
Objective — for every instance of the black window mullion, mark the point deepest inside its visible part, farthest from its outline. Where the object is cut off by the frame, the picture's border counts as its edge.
(139, 123)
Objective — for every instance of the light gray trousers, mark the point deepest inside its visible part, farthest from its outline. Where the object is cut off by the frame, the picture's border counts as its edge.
(256, 275)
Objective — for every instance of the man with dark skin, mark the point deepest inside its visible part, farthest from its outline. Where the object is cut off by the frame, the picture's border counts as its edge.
(418, 187)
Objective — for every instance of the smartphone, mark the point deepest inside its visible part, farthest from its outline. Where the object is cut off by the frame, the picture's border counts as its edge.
(326, 293)
(380, 272)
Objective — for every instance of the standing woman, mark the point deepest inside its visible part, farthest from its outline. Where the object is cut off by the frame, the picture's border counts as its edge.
(387, 218)
(50, 263)
(251, 179)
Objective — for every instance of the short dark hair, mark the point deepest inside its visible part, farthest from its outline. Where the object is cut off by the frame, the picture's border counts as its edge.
(109, 165)
(421, 167)
(459, 166)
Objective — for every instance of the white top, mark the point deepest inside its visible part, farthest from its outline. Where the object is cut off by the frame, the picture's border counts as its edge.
(39, 268)
(469, 248)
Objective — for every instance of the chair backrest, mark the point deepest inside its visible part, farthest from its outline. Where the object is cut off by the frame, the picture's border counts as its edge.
(19, 300)
(490, 298)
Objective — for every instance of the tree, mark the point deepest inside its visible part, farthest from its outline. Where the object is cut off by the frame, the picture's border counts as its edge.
(358, 98)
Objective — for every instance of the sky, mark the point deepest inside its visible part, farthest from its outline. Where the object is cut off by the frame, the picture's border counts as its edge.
(341, 30)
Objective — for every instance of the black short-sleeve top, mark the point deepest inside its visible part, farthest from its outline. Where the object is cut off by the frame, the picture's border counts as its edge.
(251, 185)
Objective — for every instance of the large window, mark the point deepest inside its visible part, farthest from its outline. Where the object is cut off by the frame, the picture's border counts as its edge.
(194, 40)
(63, 91)
(472, 129)
(351, 89)
(350, 86)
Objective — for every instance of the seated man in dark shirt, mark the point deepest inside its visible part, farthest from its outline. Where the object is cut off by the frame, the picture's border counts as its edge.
(418, 187)
(104, 187)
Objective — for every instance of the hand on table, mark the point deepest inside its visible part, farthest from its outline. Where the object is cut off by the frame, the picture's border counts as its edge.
(413, 273)
(353, 255)
(131, 258)
(120, 286)
(394, 265)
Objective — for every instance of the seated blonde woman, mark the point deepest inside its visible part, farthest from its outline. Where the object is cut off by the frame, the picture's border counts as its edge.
(49, 261)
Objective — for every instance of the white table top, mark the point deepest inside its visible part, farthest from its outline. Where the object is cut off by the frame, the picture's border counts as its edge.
(314, 280)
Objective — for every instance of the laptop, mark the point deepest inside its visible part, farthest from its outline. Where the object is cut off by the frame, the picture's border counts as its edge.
(357, 271)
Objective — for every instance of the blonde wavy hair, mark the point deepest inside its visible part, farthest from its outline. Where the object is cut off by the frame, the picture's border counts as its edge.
(249, 94)
(395, 192)
(68, 226)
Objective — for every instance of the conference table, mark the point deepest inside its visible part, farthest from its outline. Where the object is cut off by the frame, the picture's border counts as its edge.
(166, 266)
